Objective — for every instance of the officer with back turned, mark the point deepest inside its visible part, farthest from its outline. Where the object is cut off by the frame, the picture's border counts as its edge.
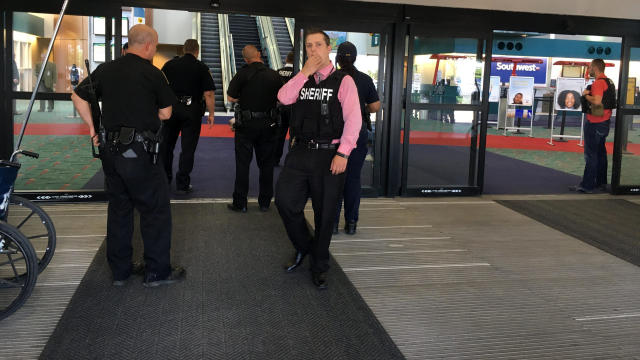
(254, 88)
(190, 79)
(135, 98)
(286, 73)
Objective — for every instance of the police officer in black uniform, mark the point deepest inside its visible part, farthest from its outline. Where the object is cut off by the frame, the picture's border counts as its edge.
(190, 79)
(325, 123)
(286, 73)
(254, 88)
(135, 98)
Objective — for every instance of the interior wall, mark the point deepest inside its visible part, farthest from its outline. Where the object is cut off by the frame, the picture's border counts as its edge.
(621, 9)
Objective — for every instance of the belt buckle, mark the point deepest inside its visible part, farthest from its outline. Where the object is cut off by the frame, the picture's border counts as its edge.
(312, 145)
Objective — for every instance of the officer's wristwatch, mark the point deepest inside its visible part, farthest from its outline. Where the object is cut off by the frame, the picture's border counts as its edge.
(342, 155)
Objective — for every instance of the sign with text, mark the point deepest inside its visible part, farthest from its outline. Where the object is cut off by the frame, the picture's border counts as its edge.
(504, 69)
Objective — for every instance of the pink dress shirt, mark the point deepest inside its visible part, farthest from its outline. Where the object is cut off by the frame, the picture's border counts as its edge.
(348, 97)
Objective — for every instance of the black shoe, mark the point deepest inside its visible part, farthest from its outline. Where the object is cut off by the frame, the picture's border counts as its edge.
(120, 283)
(335, 229)
(350, 227)
(297, 260)
(137, 268)
(264, 208)
(603, 188)
(579, 188)
(177, 274)
(320, 280)
(234, 207)
(185, 190)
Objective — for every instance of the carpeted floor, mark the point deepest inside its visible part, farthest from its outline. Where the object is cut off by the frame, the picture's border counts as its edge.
(611, 225)
(237, 302)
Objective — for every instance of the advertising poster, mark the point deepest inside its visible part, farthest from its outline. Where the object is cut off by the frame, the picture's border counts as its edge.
(520, 90)
(336, 38)
(568, 92)
(494, 89)
(631, 91)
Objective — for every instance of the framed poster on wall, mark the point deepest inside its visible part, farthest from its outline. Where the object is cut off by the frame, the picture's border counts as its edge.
(521, 90)
(568, 92)
(631, 91)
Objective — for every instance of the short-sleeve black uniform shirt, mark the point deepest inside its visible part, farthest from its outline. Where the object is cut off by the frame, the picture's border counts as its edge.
(132, 91)
(366, 89)
(188, 76)
(260, 92)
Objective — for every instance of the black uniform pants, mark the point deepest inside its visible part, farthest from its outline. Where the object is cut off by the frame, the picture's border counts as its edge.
(307, 173)
(260, 137)
(185, 119)
(50, 104)
(133, 182)
(281, 134)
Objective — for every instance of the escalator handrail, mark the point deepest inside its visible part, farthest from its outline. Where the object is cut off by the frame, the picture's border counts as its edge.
(291, 28)
(268, 41)
(227, 56)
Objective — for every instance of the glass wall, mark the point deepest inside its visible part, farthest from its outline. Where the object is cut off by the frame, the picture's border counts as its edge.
(630, 124)
(55, 130)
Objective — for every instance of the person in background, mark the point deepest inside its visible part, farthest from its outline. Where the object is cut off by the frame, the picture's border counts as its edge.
(369, 103)
(286, 73)
(15, 81)
(74, 79)
(48, 83)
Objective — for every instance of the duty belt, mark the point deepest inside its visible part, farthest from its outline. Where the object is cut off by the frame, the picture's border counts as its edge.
(115, 135)
(255, 114)
(315, 144)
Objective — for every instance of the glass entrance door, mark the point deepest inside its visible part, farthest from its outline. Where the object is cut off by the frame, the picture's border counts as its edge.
(442, 113)
(626, 155)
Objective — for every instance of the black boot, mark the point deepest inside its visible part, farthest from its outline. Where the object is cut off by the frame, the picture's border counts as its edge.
(297, 260)
(350, 227)
(319, 280)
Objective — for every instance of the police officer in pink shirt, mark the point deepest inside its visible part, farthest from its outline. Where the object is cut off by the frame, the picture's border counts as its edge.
(325, 122)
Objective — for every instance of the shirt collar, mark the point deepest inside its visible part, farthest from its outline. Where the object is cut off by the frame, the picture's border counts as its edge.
(325, 71)
(601, 76)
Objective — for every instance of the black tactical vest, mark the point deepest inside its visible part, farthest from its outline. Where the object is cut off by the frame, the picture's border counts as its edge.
(317, 115)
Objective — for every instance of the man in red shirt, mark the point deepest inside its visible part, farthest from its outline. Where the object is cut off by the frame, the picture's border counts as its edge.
(596, 130)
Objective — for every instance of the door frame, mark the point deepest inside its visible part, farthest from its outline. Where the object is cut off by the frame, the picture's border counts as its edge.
(623, 110)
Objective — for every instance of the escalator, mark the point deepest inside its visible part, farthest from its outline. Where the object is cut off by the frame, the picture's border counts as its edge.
(244, 30)
(210, 52)
(282, 37)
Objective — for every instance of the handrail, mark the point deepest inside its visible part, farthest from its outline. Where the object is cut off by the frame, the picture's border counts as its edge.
(291, 27)
(268, 41)
(227, 57)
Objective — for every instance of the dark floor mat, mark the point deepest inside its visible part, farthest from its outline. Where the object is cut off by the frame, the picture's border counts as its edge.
(237, 302)
(611, 225)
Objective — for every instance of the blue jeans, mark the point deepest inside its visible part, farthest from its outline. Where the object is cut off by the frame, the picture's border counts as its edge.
(595, 154)
(351, 194)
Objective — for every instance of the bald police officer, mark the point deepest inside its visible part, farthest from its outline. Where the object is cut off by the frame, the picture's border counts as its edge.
(190, 79)
(135, 98)
(254, 88)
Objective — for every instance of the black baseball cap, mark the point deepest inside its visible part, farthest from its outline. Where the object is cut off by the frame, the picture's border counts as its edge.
(347, 50)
